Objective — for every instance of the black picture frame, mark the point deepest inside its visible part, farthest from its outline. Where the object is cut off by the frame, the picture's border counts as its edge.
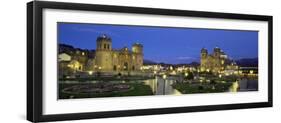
(35, 69)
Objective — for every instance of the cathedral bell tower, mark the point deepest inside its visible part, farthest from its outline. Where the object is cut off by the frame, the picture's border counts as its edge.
(204, 53)
(104, 43)
(103, 58)
(204, 59)
(217, 52)
(137, 57)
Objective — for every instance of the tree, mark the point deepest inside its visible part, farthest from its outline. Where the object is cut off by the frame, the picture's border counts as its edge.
(200, 87)
(213, 82)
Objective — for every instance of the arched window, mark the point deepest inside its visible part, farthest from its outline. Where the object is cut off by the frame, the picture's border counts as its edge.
(125, 66)
(104, 46)
(114, 67)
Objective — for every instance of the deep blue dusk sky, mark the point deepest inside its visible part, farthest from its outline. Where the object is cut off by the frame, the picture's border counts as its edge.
(161, 44)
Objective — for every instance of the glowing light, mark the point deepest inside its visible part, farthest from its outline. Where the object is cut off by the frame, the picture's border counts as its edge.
(240, 72)
(202, 69)
(90, 72)
(234, 87)
(99, 68)
(222, 61)
(251, 71)
(220, 75)
(185, 74)
(171, 68)
(164, 76)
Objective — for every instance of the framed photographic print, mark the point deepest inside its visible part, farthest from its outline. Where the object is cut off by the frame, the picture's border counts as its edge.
(96, 61)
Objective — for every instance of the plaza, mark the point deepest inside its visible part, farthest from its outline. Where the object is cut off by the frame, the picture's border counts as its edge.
(107, 72)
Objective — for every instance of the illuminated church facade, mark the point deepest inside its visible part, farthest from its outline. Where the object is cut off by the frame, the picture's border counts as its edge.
(103, 59)
(108, 59)
(214, 62)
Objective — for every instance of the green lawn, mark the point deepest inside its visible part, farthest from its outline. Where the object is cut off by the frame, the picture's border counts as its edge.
(188, 88)
(138, 89)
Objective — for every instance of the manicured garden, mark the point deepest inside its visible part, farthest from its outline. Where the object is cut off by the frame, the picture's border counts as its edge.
(110, 78)
(136, 89)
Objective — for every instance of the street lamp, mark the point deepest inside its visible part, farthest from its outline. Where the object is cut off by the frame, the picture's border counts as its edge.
(90, 72)
(185, 74)
(164, 77)
(154, 74)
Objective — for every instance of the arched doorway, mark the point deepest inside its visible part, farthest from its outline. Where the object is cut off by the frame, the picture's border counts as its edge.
(114, 68)
(125, 66)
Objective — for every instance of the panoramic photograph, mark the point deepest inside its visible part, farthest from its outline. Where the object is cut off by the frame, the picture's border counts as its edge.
(105, 60)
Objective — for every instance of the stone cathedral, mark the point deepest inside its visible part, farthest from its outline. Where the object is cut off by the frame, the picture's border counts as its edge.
(108, 59)
(214, 62)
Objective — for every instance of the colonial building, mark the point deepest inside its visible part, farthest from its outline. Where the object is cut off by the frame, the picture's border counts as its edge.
(108, 59)
(215, 62)
(103, 59)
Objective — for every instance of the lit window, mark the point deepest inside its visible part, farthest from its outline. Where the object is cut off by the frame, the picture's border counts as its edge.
(251, 71)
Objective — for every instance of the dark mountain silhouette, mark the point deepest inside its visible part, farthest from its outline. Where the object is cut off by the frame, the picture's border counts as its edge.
(149, 62)
(247, 62)
(194, 64)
